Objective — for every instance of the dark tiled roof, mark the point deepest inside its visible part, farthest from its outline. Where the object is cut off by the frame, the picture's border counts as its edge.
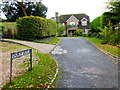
(64, 18)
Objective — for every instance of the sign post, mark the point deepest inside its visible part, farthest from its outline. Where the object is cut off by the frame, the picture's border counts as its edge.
(18, 55)
(30, 61)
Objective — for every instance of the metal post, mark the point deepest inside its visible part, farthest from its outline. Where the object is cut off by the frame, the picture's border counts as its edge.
(31, 60)
(11, 69)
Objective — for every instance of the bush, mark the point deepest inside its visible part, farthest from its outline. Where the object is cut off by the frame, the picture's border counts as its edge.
(2, 30)
(6, 26)
(89, 34)
(115, 37)
(78, 32)
(32, 27)
(63, 35)
(110, 35)
(60, 29)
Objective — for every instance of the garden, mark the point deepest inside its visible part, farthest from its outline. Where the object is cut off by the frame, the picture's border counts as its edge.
(43, 71)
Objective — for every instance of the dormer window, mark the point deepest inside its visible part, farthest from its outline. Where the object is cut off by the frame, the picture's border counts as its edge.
(84, 22)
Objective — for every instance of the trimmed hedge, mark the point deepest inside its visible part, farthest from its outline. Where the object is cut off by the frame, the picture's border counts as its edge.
(33, 27)
(9, 29)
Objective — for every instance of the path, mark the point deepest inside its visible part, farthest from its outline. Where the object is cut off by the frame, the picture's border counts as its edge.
(82, 65)
(43, 48)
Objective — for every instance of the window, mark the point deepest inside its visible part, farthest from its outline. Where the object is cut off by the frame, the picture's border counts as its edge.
(84, 23)
(72, 23)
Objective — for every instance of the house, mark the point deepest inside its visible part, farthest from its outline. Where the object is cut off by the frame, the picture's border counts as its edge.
(75, 21)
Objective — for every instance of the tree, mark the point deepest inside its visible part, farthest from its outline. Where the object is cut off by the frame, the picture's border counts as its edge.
(114, 7)
(95, 24)
(14, 10)
(22, 7)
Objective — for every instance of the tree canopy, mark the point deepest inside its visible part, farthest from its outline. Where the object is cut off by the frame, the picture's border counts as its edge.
(114, 8)
(107, 25)
(14, 10)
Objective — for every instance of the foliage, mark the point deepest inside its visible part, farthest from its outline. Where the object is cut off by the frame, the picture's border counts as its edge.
(95, 24)
(63, 35)
(60, 29)
(2, 20)
(104, 26)
(89, 34)
(8, 26)
(33, 27)
(102, 22)
(108, 17)
(114, 7)
(47, 40)
(78, 32)
(110, 34)
(39, 77)
(13, 10)
(112, 49)
(2, 30)
(70, 26)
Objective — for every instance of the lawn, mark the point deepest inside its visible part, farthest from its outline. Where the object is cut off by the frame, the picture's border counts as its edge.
(41, 74)
(48, 40)
(112, 49)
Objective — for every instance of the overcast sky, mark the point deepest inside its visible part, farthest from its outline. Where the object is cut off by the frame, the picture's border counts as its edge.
(93, 8)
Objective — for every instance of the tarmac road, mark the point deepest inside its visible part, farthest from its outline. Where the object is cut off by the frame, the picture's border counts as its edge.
(82, 65)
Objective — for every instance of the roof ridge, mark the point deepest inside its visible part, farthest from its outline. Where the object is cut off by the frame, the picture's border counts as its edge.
(73, 14)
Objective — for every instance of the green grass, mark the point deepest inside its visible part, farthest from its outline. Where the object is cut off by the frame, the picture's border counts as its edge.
(54, 41)
(11, 46)
(48, 40)
(112, 49)
(40, 75)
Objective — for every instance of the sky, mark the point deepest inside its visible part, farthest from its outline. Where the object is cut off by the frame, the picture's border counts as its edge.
(93, 8)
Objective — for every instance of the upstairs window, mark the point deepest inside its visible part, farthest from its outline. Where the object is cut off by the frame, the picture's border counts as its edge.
(72, 23)
(84, 23)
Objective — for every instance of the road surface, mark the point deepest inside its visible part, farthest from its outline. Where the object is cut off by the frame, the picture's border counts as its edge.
(82, 65)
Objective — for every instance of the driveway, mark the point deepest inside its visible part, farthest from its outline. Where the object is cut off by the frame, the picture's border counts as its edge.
(82, 65)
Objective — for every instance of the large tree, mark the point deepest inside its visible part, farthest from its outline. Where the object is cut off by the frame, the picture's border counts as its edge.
(114, 8)
(14, 10)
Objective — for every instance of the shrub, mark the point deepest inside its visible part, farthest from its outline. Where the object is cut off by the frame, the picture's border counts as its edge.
(60, 29)
(89, 34)
(6, 26)
(32, 27)
(110, 35)
(78, 32)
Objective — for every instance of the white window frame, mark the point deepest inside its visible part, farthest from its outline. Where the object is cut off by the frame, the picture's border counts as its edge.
(72, 23)
(84, 23)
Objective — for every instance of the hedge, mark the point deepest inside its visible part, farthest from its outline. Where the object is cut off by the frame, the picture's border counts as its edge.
(32, 27)
(6, 27)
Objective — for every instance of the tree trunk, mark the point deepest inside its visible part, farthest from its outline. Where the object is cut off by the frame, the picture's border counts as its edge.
(23, 10)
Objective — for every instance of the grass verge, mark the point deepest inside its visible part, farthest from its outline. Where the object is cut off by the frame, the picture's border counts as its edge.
(41, 74)
(112, 49)
(48, 40)
(39, 77)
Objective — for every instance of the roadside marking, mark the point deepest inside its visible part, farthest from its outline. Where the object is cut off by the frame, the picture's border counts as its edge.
(59, 50)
